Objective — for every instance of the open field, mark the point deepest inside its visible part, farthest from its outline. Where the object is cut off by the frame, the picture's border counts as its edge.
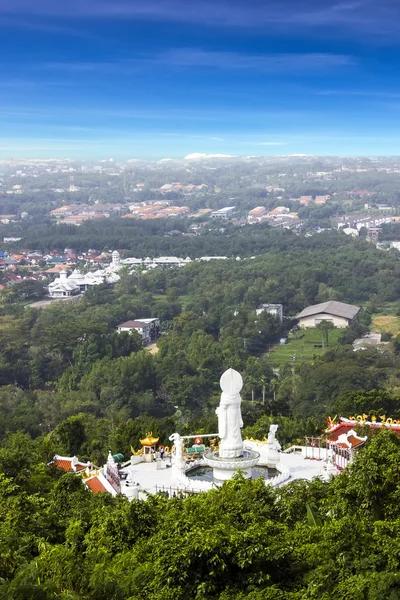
(386, 324)
(152, 348)
(50, 301)
(202, 212)
(305, 348)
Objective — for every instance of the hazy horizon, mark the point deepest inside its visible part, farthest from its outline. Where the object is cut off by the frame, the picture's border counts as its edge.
(159, 159)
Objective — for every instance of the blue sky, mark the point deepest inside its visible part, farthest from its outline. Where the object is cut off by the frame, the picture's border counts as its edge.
(165, 78)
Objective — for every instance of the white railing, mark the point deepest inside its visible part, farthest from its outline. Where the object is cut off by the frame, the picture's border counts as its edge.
(293, 449)
(134, 460)
(191, 485)
(197, 462)
(284, 475)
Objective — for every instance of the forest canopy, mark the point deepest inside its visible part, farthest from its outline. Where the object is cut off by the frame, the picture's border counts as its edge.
(246, 540)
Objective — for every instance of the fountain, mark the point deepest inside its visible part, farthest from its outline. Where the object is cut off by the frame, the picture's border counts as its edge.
(231, 455)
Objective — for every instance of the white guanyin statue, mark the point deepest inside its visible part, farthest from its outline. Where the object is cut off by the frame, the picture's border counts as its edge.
(176, 438)
(230, 416)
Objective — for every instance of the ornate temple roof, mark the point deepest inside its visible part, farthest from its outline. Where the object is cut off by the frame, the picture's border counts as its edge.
(149, 440)
(95, 485)
(69, 464)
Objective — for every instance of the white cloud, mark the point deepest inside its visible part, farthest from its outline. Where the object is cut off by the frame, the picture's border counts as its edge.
(200, 156)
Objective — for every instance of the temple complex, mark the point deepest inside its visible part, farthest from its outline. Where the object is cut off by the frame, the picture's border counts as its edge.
(197, 463)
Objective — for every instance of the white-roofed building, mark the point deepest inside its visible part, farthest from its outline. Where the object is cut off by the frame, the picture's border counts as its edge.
(224, 213)
(161, 261)
(79, 282)
(62, 287)
(272, 309)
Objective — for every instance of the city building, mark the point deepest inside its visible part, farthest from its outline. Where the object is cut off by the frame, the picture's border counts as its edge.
(148, 329)
(272, 309)
(224, 213)
(373, 234)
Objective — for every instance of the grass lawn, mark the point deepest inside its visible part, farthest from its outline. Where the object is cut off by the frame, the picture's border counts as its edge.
(202, 212)
(304, 348)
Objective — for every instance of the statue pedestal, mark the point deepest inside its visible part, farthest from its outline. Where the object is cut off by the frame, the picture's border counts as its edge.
(272, 458)
(225, 468)
(231, 452)
(221, 475)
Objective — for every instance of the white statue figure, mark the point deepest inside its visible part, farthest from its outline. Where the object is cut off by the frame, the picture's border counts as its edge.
(229, 415)
(176, 438)
(272, 441)
(273, 447)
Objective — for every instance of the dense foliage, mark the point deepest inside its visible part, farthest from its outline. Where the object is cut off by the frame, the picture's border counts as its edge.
(307, 540)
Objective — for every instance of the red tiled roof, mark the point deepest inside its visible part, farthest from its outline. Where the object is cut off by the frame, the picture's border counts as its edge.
(95, 485)
(64, 464)
(340, 428)
(342, 445)
(334, 434)
(80, 467)
(354, 441)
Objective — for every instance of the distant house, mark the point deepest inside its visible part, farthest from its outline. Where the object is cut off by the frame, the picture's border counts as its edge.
(148, 329)
(255, 215)
(258, 211)
(321, 199)
(338, 313)
(271, 309)
(224, 213)
(279, 210)
(350, 231)
(8, 240)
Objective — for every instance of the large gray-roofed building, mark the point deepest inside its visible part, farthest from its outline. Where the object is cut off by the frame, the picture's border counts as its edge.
(338, 313)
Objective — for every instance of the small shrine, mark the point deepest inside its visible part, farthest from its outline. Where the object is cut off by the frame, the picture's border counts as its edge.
(149, 444)
(343, 439)
(111, 471)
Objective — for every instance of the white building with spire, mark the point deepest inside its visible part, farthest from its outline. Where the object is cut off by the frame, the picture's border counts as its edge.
(77, 282)
(62, 287)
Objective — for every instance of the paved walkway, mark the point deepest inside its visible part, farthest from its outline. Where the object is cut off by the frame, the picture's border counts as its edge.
(300, 467)
(45, 303)
(152, 479)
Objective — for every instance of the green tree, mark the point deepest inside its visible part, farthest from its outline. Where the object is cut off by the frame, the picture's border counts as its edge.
(325, 327)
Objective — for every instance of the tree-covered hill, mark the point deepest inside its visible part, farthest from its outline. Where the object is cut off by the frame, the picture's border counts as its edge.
(305, 541)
